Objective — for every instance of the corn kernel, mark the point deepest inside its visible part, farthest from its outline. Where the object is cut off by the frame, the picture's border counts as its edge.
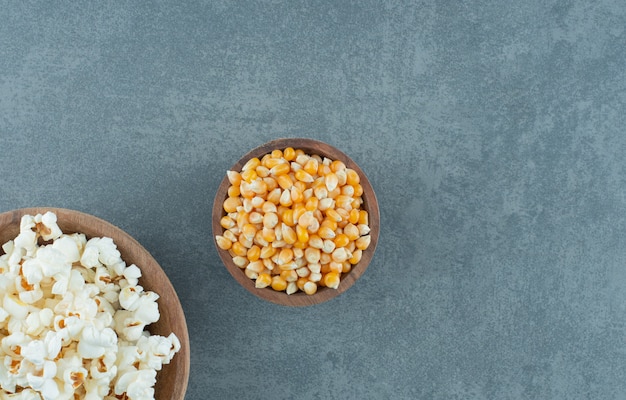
(352, 177)
(302, 234)
(326, 232)
(310, 288)
(311, 166)
(231, 204)
(285, 256)
(356, 256)
(341, 240)
(303, 176)
(249, 175)
(278, 283)
(285, 198)
(234, 177)
(332, 280)
(233, 191)
(289, 154)
(267, 252)
(312, 255)
(255, 218)
(333, 215)
(251, 164)
(240, 261)
(263, 281)
(329, 246)
(223, 243)
(340, 254)
(270, 220)
(281, 169)
(335, 266)
(363, 217)
(239, 249)
(363, 242)
(292, 287)
(315, 241)
(296, 195)
(289, 235)
(227, 222)
(253, 253)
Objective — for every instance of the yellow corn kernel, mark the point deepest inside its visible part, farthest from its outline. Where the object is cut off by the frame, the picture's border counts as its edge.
(326, 204)
(278, 283)
(312, 255)
(285, 198)
(331, 280)
(300, 282)
(255, 218)
(352, 177)
(345, 214)
(337, 165)
(269, 264)
(257, 201)
(320, 192)
(251, 164)
(230, 235)
(311, 166)
(323, 169)
(347, 190)
(270, 183)
(311, 204)
(233, 191)
(325, 232)
(358, 190)
(292, 287)
(353, 218)
(240, 261)
(356, 256)
(223, 243)
(341, 240)
(298, 210)
(315, 241)
(300, 245)
(239, 249)
(269, 207)
(339, 254)
(334, 193)
(302, 158)
(306, 219)
(245, 241)
(325, 268)
(299, 152)
(363, 242)
(287, 217)
(227, 222)
(335, 266)
(289, 154)
(356, 203)
(258, 186)
(254, 252)
(302, 234)
(331, 181)
(263, 281)
(351, 231)
(284, 181)
(303, 272)
(329, 246)
(246, 190)
(231, 204)
(267, 252)
(280, 169)
(268, 234)
(249, 175)
(296, 195)
(289, 235)
(343, 201)
(363, 229)
(333, 215)
(315, 268)
(347, 267)
(256, 266)
(248, 231)
(289, 275)
(276, 153)
(234, 177)
(341, 177)
(262, 171)
(259, 240)
(269, 220)
(285, 256)
(310, 288)
(363, 217)
(303, 176)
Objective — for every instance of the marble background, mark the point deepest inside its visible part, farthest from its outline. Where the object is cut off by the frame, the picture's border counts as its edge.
(492, 132)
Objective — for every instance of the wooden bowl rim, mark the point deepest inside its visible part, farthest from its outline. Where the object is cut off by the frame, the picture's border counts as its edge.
(300, 299)
(180, 364)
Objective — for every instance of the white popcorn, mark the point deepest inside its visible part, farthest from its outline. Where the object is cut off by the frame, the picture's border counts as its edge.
(73, 317)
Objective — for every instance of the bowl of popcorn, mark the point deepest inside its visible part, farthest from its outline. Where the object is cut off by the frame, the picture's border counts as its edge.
(85, 312)
(295, 221)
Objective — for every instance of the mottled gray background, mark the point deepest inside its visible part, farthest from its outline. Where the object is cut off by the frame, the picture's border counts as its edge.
(493, 133)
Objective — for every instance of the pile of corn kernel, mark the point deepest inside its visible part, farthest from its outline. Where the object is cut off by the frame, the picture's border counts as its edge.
(294, 221)
(72, 319)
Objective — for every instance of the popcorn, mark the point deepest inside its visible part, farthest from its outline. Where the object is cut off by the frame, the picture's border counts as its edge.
(73, 318)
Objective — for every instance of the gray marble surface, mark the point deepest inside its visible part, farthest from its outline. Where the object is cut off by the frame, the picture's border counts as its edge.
(493, 134)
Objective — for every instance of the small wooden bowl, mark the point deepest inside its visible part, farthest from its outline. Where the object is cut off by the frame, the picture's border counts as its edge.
(370, 204)
(173, 378)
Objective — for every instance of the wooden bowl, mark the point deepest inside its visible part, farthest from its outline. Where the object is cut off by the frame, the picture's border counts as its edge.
(173, 378)
(370, 204)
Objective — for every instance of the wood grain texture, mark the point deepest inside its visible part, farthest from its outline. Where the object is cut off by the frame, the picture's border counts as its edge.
(370, 204)
(172, 380)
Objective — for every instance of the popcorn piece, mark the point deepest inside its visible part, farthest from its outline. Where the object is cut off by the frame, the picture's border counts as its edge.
(94, 343)
(137, 384)
(47, 226)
